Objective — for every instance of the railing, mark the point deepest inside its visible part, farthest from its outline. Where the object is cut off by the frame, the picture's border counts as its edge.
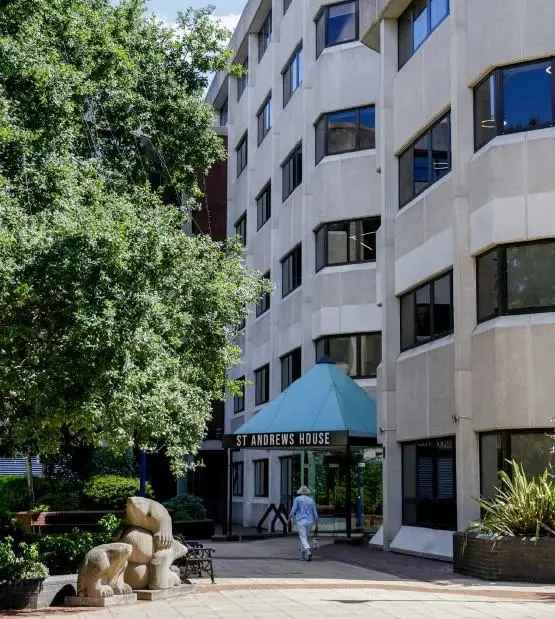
(280, 513)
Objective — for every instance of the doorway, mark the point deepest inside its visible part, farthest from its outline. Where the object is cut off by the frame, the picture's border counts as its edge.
(290, 479)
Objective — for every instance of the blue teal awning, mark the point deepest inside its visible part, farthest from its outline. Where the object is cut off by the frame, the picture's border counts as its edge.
(322, 408)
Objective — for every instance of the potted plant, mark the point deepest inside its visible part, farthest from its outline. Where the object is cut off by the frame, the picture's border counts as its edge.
(21, 574)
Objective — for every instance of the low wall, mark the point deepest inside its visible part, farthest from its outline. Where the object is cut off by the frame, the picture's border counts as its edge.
(51, 592)
(506, 559)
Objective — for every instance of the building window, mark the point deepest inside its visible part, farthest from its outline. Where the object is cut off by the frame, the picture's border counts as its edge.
(359, 355)
(224, 114)
(261, 469)
(264, 304)
(264, 206)
(290, 368)
(264, 36)
(516, 279)
(262, 384)
(239, 399)
(416, 24)
(292, 74)
(242, 80)
(346, 242)
(531, 448)
(241, 152)
(292, 171)
(264, 118)
(427, 312)
(425, 161)
(238, 471)
(430, 484)
(286, 5)
(513, 99)
(345, 131)
(291, 271)
(241, 229)
(336, 24)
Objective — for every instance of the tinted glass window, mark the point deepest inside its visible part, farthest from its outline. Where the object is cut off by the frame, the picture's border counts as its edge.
(264, 304)
(241, 229)
(262, 385)
(264, 119)
(408, 323)
(291, 271)
(423, 314)
(242, 155)
(485, 119)
(345, 131)
(439, 9)
(242, 80)
(292, 75)
(341, 23)
(342, 350)
(358, 355)
(265, 36)
(367, 127)
(443, 319)
(346, 242)
(239, 400)
(531, 276)
(338, 236)
(420, 22)
(488, 284)
(440, 149)
(261, 469)
(290, 368)
(416, 24)
(263, 207)
(292, 172)
(342, 131)
(370, 354)
(238, 472)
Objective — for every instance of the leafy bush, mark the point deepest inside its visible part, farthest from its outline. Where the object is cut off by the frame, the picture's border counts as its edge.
(186, 507)
(522, 506)
(106, 462)
(21, 563)
(111, 491)
(56, 494)
(63, 553)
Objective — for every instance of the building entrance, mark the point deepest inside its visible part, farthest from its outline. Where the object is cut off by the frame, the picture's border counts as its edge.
(290, 479)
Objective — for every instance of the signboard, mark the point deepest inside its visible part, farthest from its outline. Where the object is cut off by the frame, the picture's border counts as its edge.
(286, 440)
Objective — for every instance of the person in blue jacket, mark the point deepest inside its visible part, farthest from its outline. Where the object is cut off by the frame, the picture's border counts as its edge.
(305, 516)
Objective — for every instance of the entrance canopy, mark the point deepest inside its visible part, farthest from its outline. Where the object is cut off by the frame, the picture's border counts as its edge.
(324, 408)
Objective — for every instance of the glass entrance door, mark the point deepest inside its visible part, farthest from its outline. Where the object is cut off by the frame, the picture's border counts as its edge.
(290, 479)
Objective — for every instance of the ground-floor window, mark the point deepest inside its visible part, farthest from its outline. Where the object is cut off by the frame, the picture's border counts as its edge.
(238, 474)
(261, 473)
(532, 448)
(429, 484)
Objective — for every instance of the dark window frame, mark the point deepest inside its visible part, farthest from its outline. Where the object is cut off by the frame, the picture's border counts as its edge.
(296, 282)
(358, 348)
(239, 400)
(240, 223)
(428, 131)
(297, 176)
(413, 291)
(287, 74)
(498, 74)
(325, 118)
(262, 385)
(436, 440)
(264, 303)
(262, 129)
(429, 28)
(292, 357)
(323, 13)
(502, 273)
(242, 158)
(224, 113)
(264, 212)
(347, 222)
(264, 464)
(264, 35)
(238, 477)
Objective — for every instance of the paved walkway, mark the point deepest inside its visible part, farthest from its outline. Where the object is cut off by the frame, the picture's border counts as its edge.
(264, 579)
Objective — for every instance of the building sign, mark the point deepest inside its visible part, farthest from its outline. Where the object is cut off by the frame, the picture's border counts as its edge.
(286, 440)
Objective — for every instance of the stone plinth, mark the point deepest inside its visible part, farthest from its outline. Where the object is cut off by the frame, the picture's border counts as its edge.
(154, 595)
(112, 600)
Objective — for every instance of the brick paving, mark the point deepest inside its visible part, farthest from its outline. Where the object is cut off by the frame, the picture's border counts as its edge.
(265, 579)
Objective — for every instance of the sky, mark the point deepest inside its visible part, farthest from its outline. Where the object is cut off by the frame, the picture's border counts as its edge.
(228, 10)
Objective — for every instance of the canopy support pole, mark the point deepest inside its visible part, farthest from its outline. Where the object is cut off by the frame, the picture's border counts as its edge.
(348, 496)
(228, 524)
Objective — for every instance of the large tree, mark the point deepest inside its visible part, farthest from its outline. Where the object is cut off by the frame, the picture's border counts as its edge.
(116, 328)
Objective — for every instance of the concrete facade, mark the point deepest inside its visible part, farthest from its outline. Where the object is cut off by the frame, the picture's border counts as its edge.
(496, 374)
(335, 300)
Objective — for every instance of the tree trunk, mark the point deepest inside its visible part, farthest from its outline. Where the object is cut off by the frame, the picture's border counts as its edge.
(29, 474)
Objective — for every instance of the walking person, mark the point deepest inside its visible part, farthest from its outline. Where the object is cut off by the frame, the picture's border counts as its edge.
(305, 516)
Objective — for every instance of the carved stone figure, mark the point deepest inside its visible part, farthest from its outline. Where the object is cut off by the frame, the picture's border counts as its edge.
(102, 572)
(149, 533)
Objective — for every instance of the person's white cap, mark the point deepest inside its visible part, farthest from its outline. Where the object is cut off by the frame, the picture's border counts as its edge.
(304, 490)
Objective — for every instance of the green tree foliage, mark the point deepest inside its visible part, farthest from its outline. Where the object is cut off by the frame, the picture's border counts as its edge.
(116, 328)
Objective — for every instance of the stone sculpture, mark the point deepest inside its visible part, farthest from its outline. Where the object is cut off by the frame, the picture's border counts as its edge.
(102, 572)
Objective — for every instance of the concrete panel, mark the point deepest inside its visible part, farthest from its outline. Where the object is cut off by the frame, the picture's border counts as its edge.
(423, 542)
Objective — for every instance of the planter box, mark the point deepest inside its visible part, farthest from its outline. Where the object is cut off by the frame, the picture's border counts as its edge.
(62, 522)
(507, 558)
(195, 529)
(35, 594)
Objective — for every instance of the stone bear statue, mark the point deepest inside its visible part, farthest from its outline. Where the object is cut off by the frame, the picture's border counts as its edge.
(149, 533)
(102, 572)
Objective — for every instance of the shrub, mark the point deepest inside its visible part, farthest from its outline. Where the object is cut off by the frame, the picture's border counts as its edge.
(186, 507)
(110, 491)
(106, 462)
(522, 506)
(56, 494)
(21, 562)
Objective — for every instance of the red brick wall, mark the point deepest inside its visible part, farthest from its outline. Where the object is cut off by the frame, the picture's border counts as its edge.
(212, 218)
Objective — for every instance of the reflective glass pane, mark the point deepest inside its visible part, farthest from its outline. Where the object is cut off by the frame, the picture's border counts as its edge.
(321, 139)
(298, 80)
(440, 148)
(406, 176)
(404, 26)
(367, 128)
(367, 239)
(321, 33)
(531, 276)
(439, 10)
(420, 22)
(421, 164)
(321, 248)
(408, 332)
(443, 322)
(341, 23)
(409, 485)
(527, 96)
(488, 285)
(337, 243)
(491, 462)
(320, 349)
(342, 350)
(342, 131)
(370, 353)
(485, 124)
(533, 450)
(423, 314)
